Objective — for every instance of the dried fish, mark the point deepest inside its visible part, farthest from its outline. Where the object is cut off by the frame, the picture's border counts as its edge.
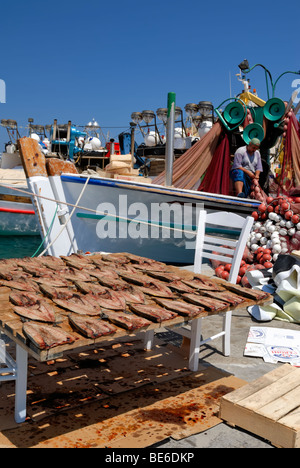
(152, 312)
(46, 337)
(181, 307)
(21, 285)
(110, 300)
(132, 295)
(90, 327)
(40, 312)
(24, 298)
(226, 296)
(116, 258)
(208, 303)
(54, 263)
(124, 320)
(57, 293)
(98, 274)
(92, 288)
(156, 289)
(254, 294)
(54, 281)
(199, 282)
(148, 285)
(180, 287)
(79, 305)
(164, 276)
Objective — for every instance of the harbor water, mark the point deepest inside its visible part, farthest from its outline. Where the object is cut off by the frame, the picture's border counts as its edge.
(19, 246)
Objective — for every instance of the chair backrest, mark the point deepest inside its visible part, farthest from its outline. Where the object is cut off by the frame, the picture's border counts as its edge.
(227, 244)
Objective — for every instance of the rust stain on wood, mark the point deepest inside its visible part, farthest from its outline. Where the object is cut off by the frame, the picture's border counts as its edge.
(32, 158)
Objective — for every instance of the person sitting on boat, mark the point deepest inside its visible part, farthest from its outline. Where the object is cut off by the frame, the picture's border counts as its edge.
(246, 167)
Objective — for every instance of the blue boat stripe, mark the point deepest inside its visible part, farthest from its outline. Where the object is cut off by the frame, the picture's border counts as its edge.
(116, 184)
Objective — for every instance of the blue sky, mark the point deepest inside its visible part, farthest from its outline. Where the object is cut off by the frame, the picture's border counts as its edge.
(78, 60)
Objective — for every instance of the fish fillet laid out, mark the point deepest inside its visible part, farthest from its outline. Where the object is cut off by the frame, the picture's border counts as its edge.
(208, 303)
(254, 294)
(57, 293)
(14, 274)
(98, 274)
(135, 278)
(156, 289)
(148, 285)
(72, 274)
(40, 312)
(21, 285)
(112, 283)
(180, 307)
(37, 270)
(128, 321)
(90, 288)
(124, 289)
(101, 264)
(200, 283)
(117, 259)
(110, 300)
(164, 276)
(132, 295)
(79, 263)
(46, 336)
(149, 266)
(91, 327)
(225, 296)
(79, 305)
(152, 312)
(24, 298)
(54, 280)
(54, 263)
(180, 287)
(146, 263)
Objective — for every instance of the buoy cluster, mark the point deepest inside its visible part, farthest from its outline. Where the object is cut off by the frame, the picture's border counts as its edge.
(276, 227)
(276, 230)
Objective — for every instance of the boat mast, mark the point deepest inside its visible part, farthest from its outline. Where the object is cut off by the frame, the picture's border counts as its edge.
(170, 139)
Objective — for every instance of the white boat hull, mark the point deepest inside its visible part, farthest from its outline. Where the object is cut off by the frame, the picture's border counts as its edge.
(115, 216)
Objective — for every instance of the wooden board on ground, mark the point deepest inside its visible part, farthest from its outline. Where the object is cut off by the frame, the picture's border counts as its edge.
(269, 407)
(115, 396)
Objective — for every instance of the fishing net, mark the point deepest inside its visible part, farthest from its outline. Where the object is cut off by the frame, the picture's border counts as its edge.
(189, 169)
(216, 179)
(288, 183)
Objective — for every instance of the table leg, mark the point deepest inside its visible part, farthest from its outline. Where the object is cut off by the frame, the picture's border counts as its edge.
(21, 384)
(148, 341)
(195, 344)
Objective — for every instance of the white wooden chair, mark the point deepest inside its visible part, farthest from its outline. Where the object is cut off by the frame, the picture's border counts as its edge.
(215, 247)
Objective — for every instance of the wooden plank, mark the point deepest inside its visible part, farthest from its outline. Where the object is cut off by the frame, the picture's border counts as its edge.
(268, 407)
(15, 198)
(33, 160)
(280, 407)
(269, 394)
(292, 420)
(258, 384)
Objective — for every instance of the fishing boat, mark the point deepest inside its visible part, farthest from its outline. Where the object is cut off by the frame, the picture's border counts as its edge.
(17, 214)
(158, 217)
